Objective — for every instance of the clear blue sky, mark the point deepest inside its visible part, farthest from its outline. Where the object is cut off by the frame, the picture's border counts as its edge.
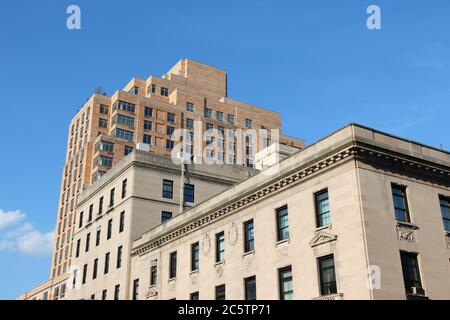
(314, 61)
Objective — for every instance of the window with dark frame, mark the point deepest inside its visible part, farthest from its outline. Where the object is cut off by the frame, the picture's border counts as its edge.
(124, 188)
(165, 215)
(249, 241)
(195, 256)
(167, 190)
(164, 91)
(109, 232)
(135, 289)
(220, 246)
(153, 273)
(94, 270)
(122, 221)
(194, 296)
(444, 203)
(189, 192)
(88, 240)
(119, 257)
(106, 269)
(173, 265)
(327, 275)
(111, 197)
(97, 238)
(282, 223)
(322, 208)
(77, 251)
(104, 294)
(285, 283)
(84, 273)
(411, 273)
(80, 221)
(250, 288)
(400, 203)
(116, 292)
(220, 292)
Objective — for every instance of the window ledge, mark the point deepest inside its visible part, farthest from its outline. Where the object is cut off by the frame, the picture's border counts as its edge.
(219, 263)
(407, 225)
(328, 226)
(193, 272)
(288, 240)
(249, 253)
(335, 296)
(172, 279)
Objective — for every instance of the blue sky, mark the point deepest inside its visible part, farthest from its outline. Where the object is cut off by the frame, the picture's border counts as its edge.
(313, 61)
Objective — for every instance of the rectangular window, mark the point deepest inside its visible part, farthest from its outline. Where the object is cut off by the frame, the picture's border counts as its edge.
(91, 210)
(88, 240)
(127, 150)
(147, 139)
(249, 240)
(104, 161)
(108, 235)
(116, 292)
(97, 238)
(188, 192)
(84, 273)
(411, 273)
(173, 265)
(327, 275)
(190, 106)
(220, 246)
(102, 123)
(170, 117)
(151, 88)
(107, 256)
(125, 106)
(164, 91)
(195, 256)
(123, 134)
(111, 197)
(400, 203)
(123, 120)
(230, 119)
(169, 144)
(147, 125)
(135, 289)
(249, 123)
(124, 188)
(250, 288)
(322, 208)
(105, 146)
(94, 270)
(121, 221)
(119, 257)
(445, 211)
(194, 296)
(104, 294)
(282, 223)
(100, 205)
(148, 111)
(285, 280)
(220, 292)
(169, 130)
(167, 190)
(165, 215)
(80, 221)
(189, 123)
(103, 109)
(208, 112)
(219, 116)
(153, 273)
(77, 252)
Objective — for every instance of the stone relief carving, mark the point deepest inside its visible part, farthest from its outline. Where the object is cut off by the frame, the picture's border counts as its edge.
(282, 249)
(248, 261)
(233, 234)
(219, 270)
(406, 233)
(172, 284)
(194, 278)
(206, 245)
(322, 237)
(152, 293)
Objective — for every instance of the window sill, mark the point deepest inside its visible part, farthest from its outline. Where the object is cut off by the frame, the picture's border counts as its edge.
(249, 253)
(219, 263)
(193, 272)
(328, 226)
(407, 225)
(335, 296)
(172, 279)
(288, 240)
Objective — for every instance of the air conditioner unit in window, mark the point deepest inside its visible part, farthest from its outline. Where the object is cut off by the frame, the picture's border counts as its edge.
(417, 291)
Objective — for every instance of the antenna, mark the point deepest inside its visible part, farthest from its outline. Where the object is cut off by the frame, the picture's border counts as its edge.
(99, 90)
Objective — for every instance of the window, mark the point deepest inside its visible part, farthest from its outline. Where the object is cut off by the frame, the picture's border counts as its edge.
(104, 294)
(151, 88)
(88, 240)
(167, 189)
(165, 215)
(400, 203)
(282, 223)
(169, 130)
(445, 211)
(55, 294)
(97, 238)
(111, 197)
(104, 161)
(147, 125)
(220, 246)
(188, 192)
(153, 273)
(219, 116)
(249, 123)
(322, 208)
(63, 291)
(84, 273)
(121, 221)
(94, 270)
(125, 106)
(135, 289)
(249, 241)
(195, 256)
(134, 90)
(250, 288)
(173, 265)
(164, 91)
(148, 111)
(100, 205)
(220, 292)
(123, 134)
(230, 119)
(190, 106)
(169, 144)
(209, 126)
(119, 257)
(80, 221)
(127, 150)
(106, 269)
(189, 123)
(207, 112)
(285, 280)
(77, 252)
(102, 123)
(123, 120)
(116, 292)
(327, 276)
(108, 235)
(194, 296)
(411, 273)
(170, 117)
(147, 139)
(91, 209)
(124, 188)
(103, 109)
